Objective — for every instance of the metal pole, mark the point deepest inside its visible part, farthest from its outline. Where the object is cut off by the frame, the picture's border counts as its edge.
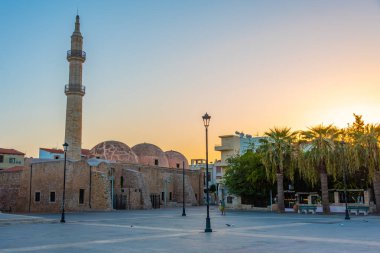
(183, 189)
(89, 194)
(64, 189)
(30, 186)
(208, 223)
(112, 192)
(270, 195)
(347, 217)
(164, 192)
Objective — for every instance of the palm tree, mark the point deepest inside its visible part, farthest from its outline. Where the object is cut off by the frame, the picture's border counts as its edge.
(276, 152)
(318, 157)
(368, 147)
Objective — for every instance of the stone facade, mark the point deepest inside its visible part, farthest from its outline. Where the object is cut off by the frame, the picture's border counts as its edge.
(9, 189)
(38, 187)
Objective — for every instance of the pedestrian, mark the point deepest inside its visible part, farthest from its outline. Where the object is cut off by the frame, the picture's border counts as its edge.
(222, 207)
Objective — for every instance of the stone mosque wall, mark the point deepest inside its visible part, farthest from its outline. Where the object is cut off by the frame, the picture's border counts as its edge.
(9, 189)
(39, 187)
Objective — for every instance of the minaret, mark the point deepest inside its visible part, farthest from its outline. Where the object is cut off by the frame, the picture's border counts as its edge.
(75, 92)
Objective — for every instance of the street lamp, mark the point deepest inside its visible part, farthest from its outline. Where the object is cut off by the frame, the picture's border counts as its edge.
(64, 183)
(206, 121)
(345, 182)
(183, 189)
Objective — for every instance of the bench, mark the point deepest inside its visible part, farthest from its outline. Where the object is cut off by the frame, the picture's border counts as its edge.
(306, 209)
(358, 209)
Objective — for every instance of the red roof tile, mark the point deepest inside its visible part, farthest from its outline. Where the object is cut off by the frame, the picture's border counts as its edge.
(53, 150)
(60, 151)
(7, 151)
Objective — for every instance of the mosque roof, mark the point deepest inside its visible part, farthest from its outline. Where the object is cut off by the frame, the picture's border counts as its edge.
(147, 149)
(148, 153)
(175, 157)
(114, 151)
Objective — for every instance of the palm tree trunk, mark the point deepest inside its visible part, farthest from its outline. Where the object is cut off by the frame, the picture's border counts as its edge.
(280, 192)
(325, 193)
(376, 189)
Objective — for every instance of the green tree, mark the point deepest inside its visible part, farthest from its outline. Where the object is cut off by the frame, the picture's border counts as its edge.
(277, 153)
(368, 148)
(246, 175)
(318, 157)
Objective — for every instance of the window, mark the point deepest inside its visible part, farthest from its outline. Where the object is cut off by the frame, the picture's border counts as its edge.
(196, 196)
(155, 161)
(81, 196)
(229, 200)
(121, 182)
(52, 196)
(37, 196)
(12, 160)
(1, 158)
(177, 165)
(163, 195)
(170, 195)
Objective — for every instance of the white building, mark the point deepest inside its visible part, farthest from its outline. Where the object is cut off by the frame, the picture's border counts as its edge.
(232, 145)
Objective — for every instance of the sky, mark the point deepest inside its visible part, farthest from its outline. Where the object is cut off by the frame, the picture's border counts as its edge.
(155, 67)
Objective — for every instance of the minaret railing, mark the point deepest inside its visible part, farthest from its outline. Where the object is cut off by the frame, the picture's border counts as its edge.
(76, 53)
(75, 88)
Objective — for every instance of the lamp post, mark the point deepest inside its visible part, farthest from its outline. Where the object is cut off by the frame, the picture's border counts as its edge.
(347, 217)
(183, 189)
(64, 183)
(206, 121)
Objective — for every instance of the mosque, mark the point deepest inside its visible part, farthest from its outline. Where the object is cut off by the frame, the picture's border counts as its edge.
(109, 176)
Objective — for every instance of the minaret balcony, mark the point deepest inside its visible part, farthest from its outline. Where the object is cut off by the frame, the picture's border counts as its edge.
(76, 54)
(75, 89)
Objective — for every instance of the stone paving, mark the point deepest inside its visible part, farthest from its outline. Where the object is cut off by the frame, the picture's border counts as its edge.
(165, 230)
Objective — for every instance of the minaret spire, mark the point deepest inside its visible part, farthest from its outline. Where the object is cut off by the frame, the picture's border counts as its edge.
(77, 24)
(75, 91)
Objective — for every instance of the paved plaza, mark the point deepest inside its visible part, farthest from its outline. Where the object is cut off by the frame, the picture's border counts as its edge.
(165, 230)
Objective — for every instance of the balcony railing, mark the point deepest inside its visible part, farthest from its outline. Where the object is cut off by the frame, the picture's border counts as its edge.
(75, 89)
(223, 147)
(76, 53)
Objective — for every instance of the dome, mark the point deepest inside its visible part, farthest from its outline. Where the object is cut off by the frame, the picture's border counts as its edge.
(114, 151)
(176, 159)
(150, 154)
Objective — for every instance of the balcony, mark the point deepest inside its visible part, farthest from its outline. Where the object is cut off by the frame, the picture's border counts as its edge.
(223, 148)
(75, 89)
(76, 54)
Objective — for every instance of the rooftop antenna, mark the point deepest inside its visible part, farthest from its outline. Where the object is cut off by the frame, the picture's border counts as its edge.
(77, 11)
